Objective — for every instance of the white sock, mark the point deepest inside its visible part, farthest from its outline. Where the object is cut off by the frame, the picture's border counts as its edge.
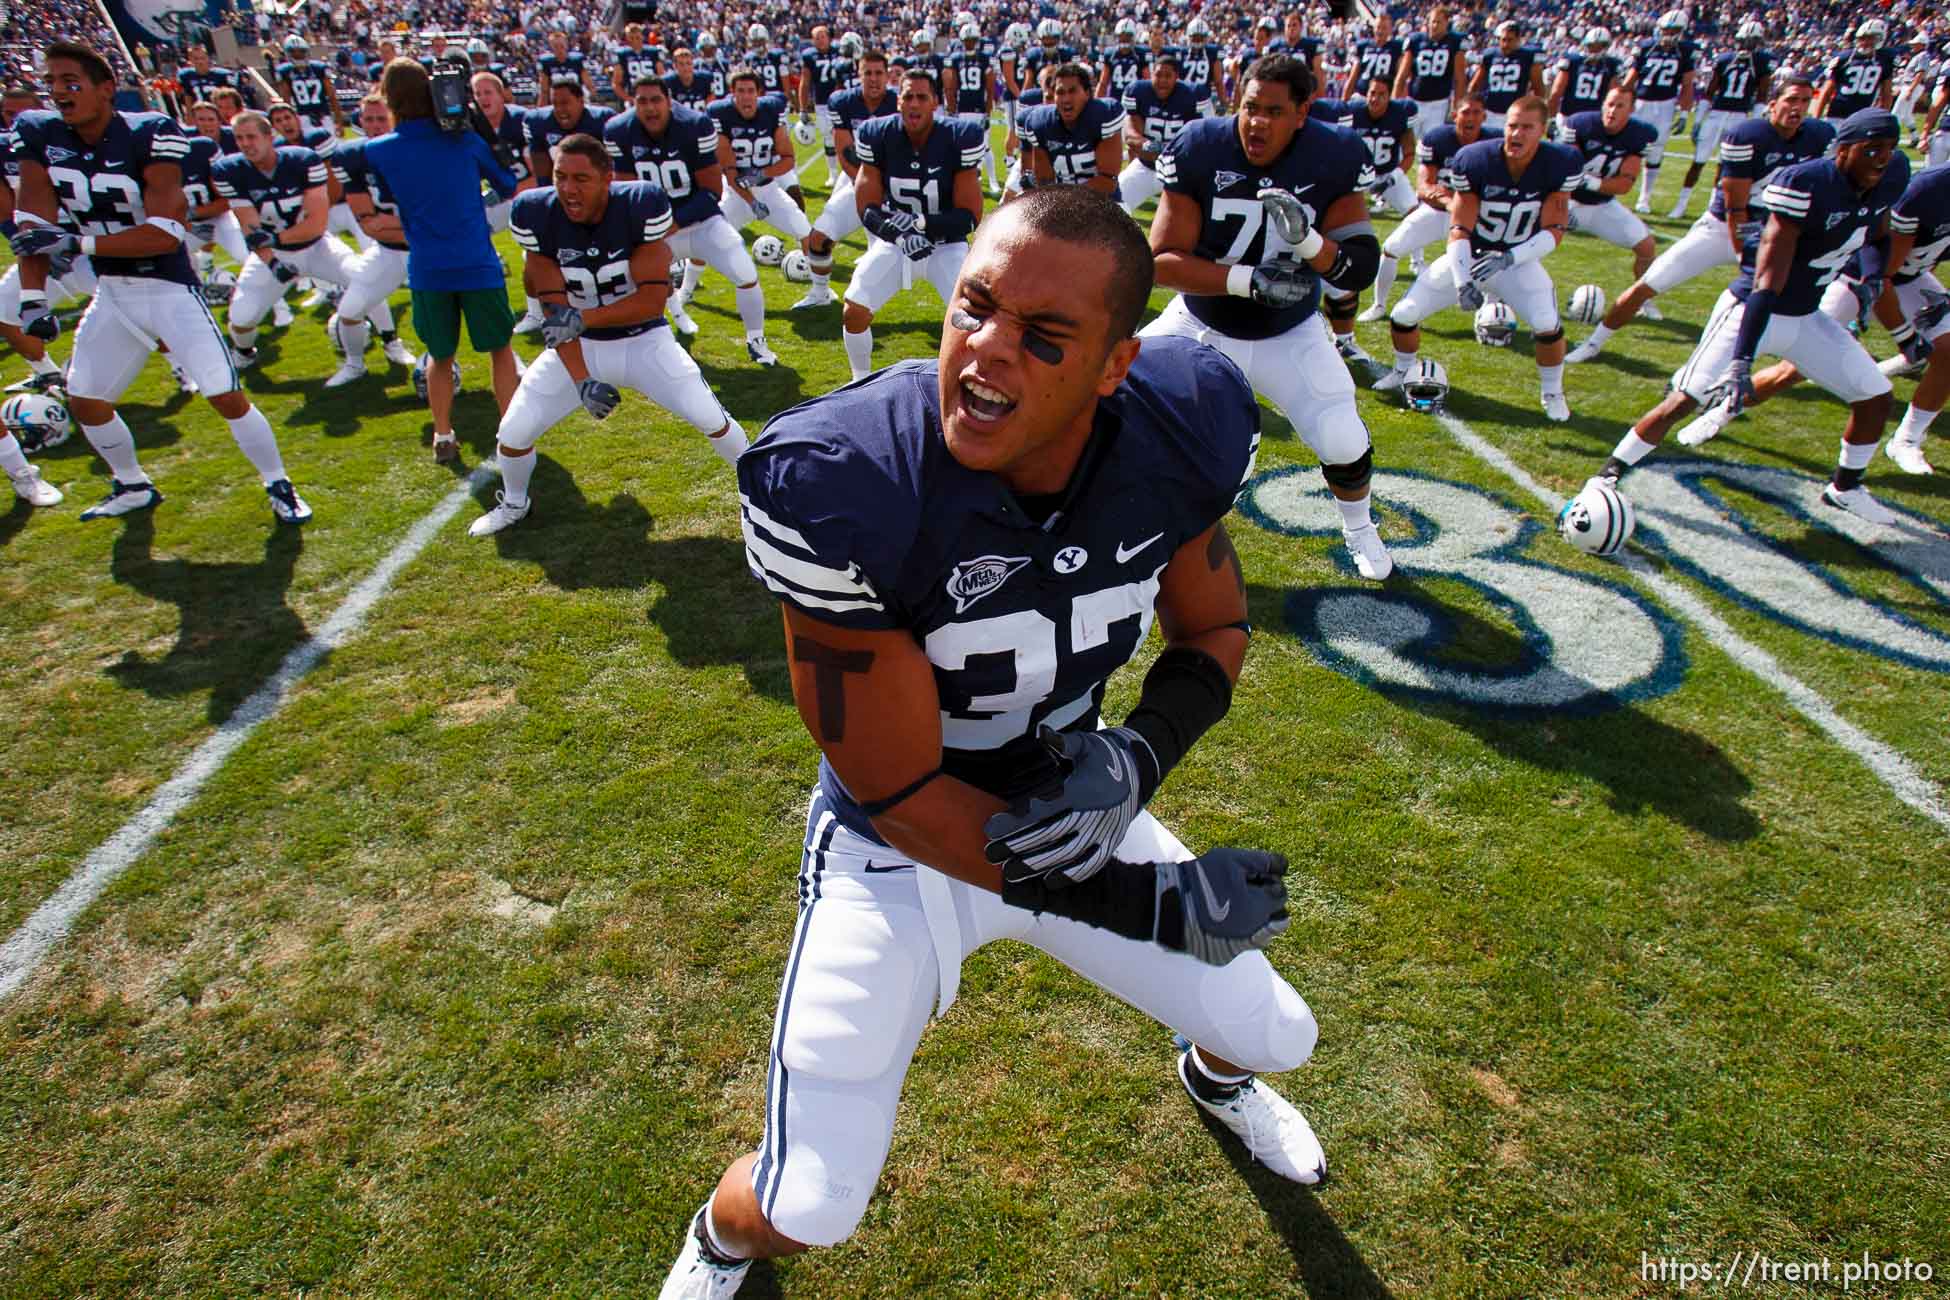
(516, 471)
(245, 339)
(1632, 449)
(1552, 378)
(381, 316)
(711, 1236)
(731, 442)
(43, 365)
(1404, 361)
(693, 273)
(1600, 335)
(1916, 423)
(1858, 455)
(535, 308)
(1384, 278)
(1355, 514)
(353, 336)
(859, 351)
(1685, 197)
(259, 445)
(12, 458)
(1651, 175)
(115, 444)
(1198, 1063)
(751, 309)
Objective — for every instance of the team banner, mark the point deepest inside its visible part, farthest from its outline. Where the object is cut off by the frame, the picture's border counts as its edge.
(156, 22)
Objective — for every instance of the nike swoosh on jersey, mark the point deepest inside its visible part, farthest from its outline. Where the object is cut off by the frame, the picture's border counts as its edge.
(1124, 553)
(1219, 911)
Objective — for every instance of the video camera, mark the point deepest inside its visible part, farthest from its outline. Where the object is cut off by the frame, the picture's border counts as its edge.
(452, 87)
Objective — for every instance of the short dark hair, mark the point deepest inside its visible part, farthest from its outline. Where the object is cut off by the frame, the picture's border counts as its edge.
(874, 56)
(566, 82)
(1079, 215)
(924, 74)
(408, 89)
(1172, 61)
(583, 145)
(93, 64)
(649, 79)
(1073, 69)
(1790, 81)
(745, 74)
(1290, 72)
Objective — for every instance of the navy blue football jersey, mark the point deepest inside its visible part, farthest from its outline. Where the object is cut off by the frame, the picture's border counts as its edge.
(200, 86)
(1753, 151)
(1038, 57)
(1660, 68)
(672, 161)
(849, 108)
(594, 257)
(1204, 66)
(696, 93)
(1835, 220)
(920, 181)
(856, 513)
(1604, 153)
(974, 71)
(829, 72)
(1381, 135)
(1307, 49)
(753, 139)
(199, 189)
(1509, 209)
(1164, 118)
(1374, 59)
(1439, 146)
(1738, 78)
(278, 196)
(1072, 146)
(1859, 79)
(637, 64)
(545, 131)
(513, 132)
(1207, 164)
(1590, 76)
(99, 186)
(320, 140)
(560, 67)
(1506, 77)
(355, 177)
(774, 68)
(1432, 63)
(1128, 64)
(310, 83)
(715, 72)
(1924, 212)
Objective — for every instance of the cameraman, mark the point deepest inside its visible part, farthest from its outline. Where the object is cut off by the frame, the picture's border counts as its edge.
(434, 174)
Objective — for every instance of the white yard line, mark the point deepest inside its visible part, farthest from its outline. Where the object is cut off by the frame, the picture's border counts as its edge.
(1891, 768)
(26, 948)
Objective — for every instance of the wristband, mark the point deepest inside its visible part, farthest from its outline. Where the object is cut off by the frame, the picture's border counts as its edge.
(1239, 281)
(87, 245)
(33, 297)
(1121, 898)
(1461, 258)
(1309, 248)
(1532, 249)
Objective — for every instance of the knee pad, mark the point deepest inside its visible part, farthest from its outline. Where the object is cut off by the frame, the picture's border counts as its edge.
(1351, 475)
(1266, 1026)
(1553, 335)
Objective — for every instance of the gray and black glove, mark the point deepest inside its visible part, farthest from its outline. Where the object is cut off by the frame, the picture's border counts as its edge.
(284, 272)
(1070, 830)
(1490, 265)
(598, 398)
(259, 236)
(1213, 907)
(38, 239)
(914, 245)
(561, 324)
(1283, 282)
(37, 319)
(1735, 393)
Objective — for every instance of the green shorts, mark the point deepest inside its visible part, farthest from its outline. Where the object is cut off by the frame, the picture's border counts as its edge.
(437, 315)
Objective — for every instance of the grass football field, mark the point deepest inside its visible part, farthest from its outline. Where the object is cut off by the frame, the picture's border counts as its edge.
(1619, 892)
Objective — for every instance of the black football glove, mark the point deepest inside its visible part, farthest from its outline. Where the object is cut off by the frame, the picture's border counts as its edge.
(38, 239)
(1915, 348)
(561, 324)
(1283, 282)
(1469, 296)
(1070, 830)
(284, 272)
(598, 398)
(914, 245)
(259, 237)
(37, 319)
(1866, 292)
(1212, 907)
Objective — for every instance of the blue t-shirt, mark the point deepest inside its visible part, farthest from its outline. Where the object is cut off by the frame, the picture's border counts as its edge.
(435, 178)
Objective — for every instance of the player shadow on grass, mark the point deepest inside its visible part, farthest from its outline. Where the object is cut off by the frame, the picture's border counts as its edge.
(708, 607)
(1644, 763)
(235, 629)
(1330, 1266)
(14, 520)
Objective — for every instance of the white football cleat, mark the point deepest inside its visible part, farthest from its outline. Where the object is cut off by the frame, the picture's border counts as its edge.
(1908, 455)
(286, 504)
(505, 514)
(1895, 367)
(1371, 558)
(530, 323)
(124, 499)
(30, 487)
(1678, 213)
(183, 380)
(1650, 311)
(696, 1276)
(1858, 502)
(399, 354)
(760, 353)
(1706, 426)
(281, 313)
(1379, 311)
(352, 368)
(1391, 382)
(242, 358)
(1556, 408)
(1351, 351)
(817, 296)
(312, 299)
(1274, 1131)
(1583, 352)
(1642, 207)
(680, 320)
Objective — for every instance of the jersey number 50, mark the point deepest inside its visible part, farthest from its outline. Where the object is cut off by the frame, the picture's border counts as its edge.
(1507, 223)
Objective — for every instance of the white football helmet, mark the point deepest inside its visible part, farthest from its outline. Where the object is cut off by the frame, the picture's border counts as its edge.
(1049, 29)
(804, 133)
(1496, 324)
(1751, 34)
(37, 420)
(970, 32)
(1198, 30)
(706, 41)
(1588, 304)
(851, 45)
(922, 39)
(1672, 23)
(768, 250)
(1016, 35)
(1596, 38)
(1426, 387)
(298, 48)
(478, 46)
(1126, 31)
(797, 267)
(1598, 520)
(1872, 29)
(757, 35)
(1506, 28)
(963, 17)
(217, 287)
(420, 376)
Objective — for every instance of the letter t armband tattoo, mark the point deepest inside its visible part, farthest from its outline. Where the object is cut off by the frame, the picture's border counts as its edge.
(830, 667)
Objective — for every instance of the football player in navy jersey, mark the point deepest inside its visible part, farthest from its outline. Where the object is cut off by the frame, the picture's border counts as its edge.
(559, 66)
(1385, 126)
(1259, 210)
(381, 270)
(685, 84)
(851, 108)
(291, 129)
(1031, 97)
(1509, 212)
(1919, 239)
(1075, 139)
(1377, 55)
(919, 195)
(1294, 42)
(566, 115)
(1205, 64)
(1583, 76)
(1430, 220)
(307, 86)
(1614, 144)
(1750, 154)
(711, 67)
(1432, 71)
(1662, 79)
(632, 62)
(773, 65)
(72, 278)
(755, 155)
(201, 80)
(823, 70)
(971, 88)
(508, 137)
(1155, 111)
(965, 549)
(1737, 80)
(1049, 51)
(1506, 74)
(118, 176)
(1122, 65)
(596, 257)
(279, 196)
(1820, 215)
(1864, 77)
